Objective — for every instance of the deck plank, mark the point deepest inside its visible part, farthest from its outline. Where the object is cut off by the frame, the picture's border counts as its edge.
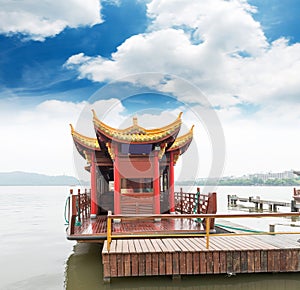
(142, 258)
(120, 261)
(134, 258)
(127, 258)
(169, 257)
(162, 257)
(175, 255)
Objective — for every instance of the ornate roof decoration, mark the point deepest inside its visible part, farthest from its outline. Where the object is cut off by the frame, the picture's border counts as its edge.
(181, 143)
(136, 133)
(164, 137)
(86, 142)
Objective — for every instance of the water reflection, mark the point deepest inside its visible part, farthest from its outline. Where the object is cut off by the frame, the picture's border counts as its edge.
(84, 267)
(84, 271)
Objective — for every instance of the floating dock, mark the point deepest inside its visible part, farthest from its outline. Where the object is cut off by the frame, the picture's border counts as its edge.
(240, 250)
(259, 203)
(189, 256)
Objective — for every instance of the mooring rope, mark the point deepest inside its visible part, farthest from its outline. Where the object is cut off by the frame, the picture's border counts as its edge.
(239, 229)
(77, 222)
(67, 203)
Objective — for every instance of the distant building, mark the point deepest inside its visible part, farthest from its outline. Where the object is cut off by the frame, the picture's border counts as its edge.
(272, 175)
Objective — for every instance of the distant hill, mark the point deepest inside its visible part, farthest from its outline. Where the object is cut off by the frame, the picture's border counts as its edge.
(26, 178)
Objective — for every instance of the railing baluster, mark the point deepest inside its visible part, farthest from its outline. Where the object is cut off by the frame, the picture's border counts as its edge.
(79, 205)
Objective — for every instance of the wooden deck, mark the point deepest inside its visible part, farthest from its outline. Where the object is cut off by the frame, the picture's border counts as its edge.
(173, 245)
(96, 229)
(189, 256)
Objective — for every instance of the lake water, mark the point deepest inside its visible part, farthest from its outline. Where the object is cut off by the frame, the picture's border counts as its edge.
(35, 254)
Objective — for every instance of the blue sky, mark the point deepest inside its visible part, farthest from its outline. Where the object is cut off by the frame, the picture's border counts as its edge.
(147, 57)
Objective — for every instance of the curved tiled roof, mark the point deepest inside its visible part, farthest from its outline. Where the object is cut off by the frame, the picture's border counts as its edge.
(86, 142)
(182, 141)
(136, 133)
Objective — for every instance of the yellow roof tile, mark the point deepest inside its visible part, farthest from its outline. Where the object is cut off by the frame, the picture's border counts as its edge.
(136, 133)
(91, 143)
(182, 140)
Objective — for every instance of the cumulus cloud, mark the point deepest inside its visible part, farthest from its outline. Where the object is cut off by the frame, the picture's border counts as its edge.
(224, 25)
(40, 19)
(217, 45)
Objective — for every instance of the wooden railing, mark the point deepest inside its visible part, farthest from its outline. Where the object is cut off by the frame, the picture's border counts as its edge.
(208, 218)
(80, 205)
(188, 203)
(196, 203)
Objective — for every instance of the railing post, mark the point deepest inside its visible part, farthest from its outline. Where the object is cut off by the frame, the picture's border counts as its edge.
(207, 225)
(85, 203)
(108, 230)
(181, 200)
(197, 201)
(73, 212)
(272, 228)
(79, 206)
(212, 207)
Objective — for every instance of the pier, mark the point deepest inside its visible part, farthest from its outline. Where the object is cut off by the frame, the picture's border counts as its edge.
(225, 251)
(259, 203)
(189, 256)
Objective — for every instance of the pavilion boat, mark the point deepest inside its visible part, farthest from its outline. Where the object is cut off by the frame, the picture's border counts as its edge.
(132, 174)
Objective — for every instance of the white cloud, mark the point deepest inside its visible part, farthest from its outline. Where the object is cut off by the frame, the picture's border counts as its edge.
(110, 111)
(265, 141)
(272, 76)
(224, 25)
(40, 19)
(196, 40)
(215, 64)
(38, 139)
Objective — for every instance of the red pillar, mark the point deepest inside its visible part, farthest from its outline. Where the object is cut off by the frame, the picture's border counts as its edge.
(156, 185)
(94, 207)
(171, 184)
(117, 207)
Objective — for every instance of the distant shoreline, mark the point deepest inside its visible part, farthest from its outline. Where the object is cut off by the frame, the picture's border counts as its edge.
(19, 178)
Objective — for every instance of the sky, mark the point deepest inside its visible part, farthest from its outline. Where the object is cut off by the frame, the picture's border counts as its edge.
(231, 67)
